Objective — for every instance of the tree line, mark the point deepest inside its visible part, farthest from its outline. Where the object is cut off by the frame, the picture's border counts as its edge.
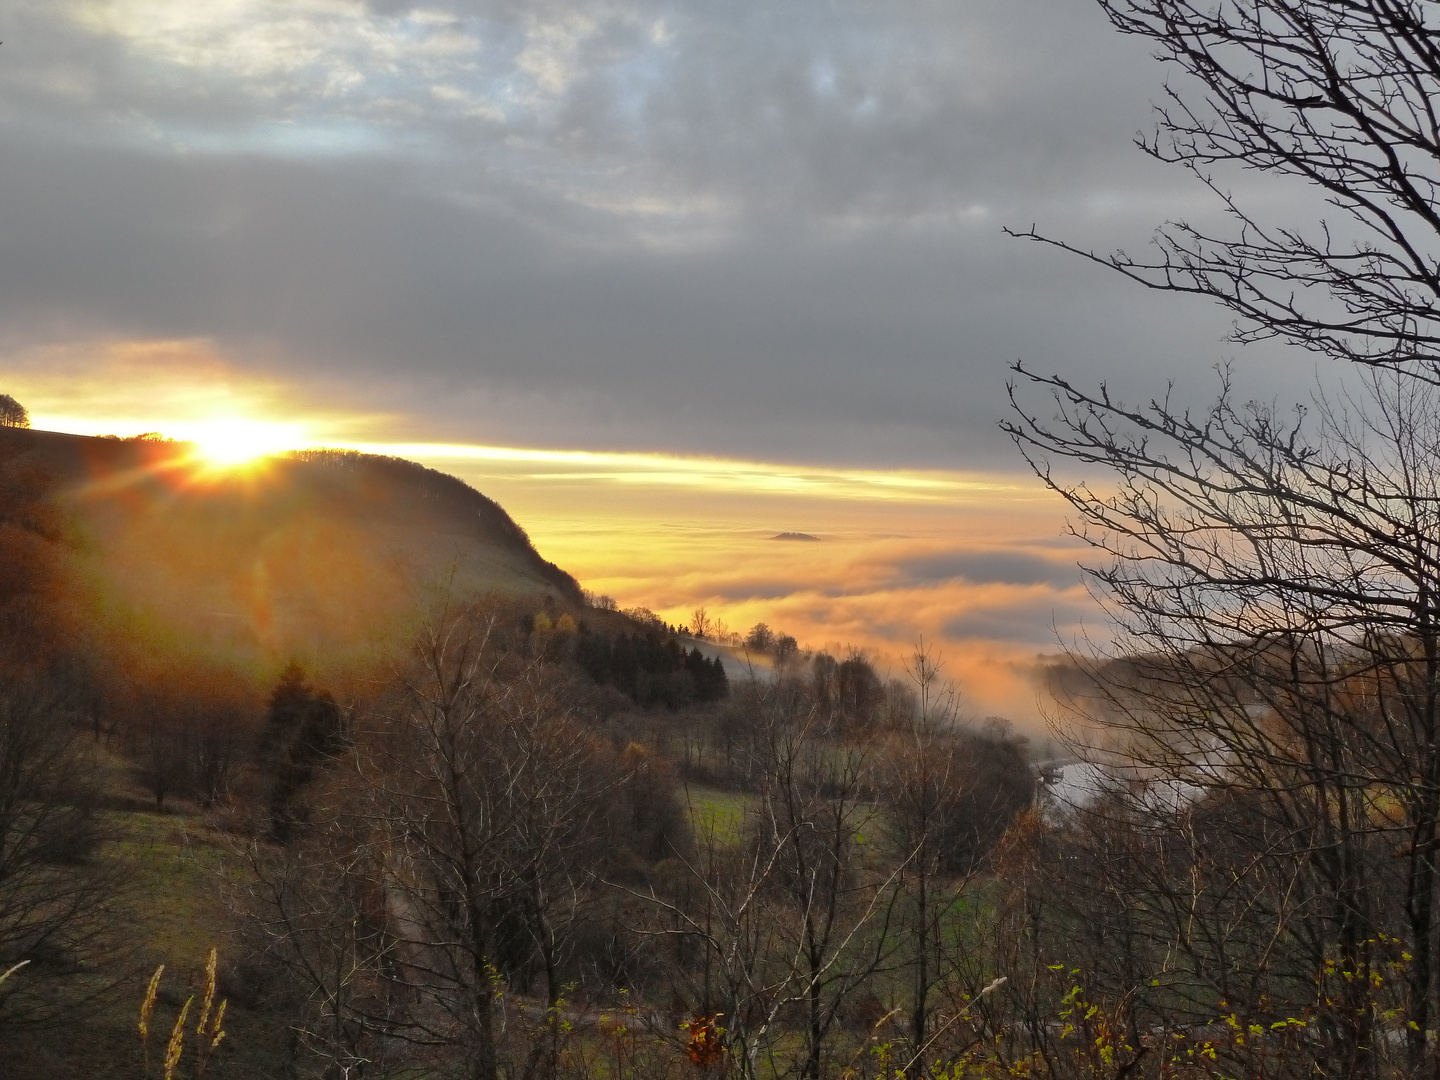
(650, 669)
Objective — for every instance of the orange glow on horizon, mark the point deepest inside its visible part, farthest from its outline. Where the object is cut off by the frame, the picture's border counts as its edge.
(706, 474)
(972, 561)
(184, 389)
(187, 389)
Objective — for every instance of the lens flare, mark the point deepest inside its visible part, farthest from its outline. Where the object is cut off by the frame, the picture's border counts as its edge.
(231, 441)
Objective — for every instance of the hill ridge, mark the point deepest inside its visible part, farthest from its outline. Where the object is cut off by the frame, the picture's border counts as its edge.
(315, 553)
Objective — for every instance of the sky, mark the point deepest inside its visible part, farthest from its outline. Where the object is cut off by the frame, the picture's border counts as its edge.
(665, 278)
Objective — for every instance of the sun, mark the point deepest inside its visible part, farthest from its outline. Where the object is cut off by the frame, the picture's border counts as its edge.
(233, 441)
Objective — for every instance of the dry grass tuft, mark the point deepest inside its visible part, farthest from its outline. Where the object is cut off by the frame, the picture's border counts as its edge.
(208, 1032)
(177, 1040)
(147, 1008)
(208, 1039)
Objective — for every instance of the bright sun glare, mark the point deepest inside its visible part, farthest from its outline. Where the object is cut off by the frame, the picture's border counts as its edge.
(231, 441)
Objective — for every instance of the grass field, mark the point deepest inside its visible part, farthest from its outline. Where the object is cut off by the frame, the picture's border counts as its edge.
(173, 910)
(716, 814)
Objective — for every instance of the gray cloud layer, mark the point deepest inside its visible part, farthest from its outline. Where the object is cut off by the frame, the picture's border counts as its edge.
(744, 228)
(985, 567)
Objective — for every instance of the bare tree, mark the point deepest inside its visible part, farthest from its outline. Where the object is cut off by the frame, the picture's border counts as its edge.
(793, 916)
(731, 967)
(1269, 714)
(166, 761)
(1339, 97)
(919, 791)
(57, 894)
(948, 796)
(785, 650)
(760, 638)
(487, 795)
(814, 812)
(314, 912)
(458, 857)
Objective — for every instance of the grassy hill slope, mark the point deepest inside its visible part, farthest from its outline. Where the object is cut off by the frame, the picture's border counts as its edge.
(321, 555)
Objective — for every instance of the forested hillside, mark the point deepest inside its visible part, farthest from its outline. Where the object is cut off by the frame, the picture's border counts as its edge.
(488, 825)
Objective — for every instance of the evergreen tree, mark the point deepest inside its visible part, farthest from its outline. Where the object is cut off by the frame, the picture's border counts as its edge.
(302, 731)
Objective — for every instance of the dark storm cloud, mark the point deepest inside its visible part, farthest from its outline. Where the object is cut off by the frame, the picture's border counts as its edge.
(743, 228)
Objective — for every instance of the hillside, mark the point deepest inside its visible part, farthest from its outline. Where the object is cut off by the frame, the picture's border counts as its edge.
(320, 555)
(510, 815)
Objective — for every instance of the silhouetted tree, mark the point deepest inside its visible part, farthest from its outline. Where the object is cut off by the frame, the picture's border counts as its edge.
(33, 543)
(1276, 584)
(847, 693)
(949, 795)
(1278, 662)
(701, 624)
(791, 923)
(1339, 96)
(919, 790)
(711, 682)
(12, 413)
(303, 729)
(785, 650)
(760, 638)
(166, 739)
